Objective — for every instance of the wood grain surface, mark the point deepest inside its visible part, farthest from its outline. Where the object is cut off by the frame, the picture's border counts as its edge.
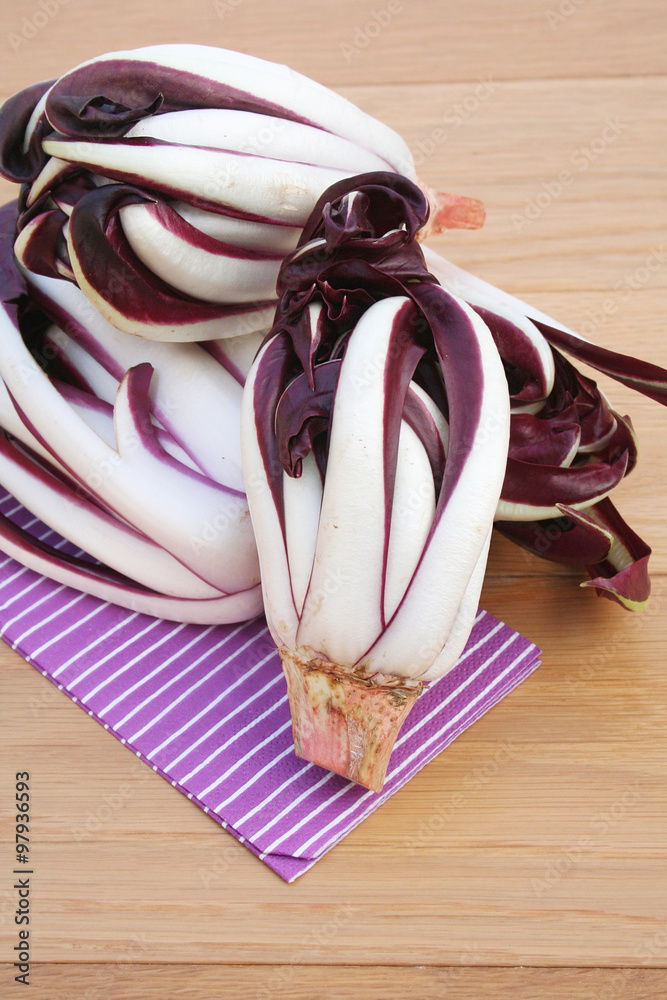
(548, 878)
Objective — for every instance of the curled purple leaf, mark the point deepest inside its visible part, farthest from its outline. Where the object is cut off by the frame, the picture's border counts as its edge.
(597, 539)
(17, 164)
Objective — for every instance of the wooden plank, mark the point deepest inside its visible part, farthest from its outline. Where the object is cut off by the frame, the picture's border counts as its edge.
(538, 837)
(511, 148)
(356, 41)
(151, 905)
(288, 982)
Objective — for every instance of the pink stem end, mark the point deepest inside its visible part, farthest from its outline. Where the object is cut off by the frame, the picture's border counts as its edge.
(343, 721)
(451, 211)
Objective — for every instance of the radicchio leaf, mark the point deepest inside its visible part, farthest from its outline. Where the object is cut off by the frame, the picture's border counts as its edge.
(597, 539)
(17, 164)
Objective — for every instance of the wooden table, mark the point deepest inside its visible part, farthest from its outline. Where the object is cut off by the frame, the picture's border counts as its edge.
(550, 879)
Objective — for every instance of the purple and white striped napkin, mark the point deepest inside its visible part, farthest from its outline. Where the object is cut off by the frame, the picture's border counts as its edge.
(206, 707)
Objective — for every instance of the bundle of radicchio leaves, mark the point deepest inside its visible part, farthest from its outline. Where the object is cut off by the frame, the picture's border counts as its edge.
(395, 412)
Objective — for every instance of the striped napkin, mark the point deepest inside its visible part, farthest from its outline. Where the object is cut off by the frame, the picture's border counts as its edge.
(206, 707)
